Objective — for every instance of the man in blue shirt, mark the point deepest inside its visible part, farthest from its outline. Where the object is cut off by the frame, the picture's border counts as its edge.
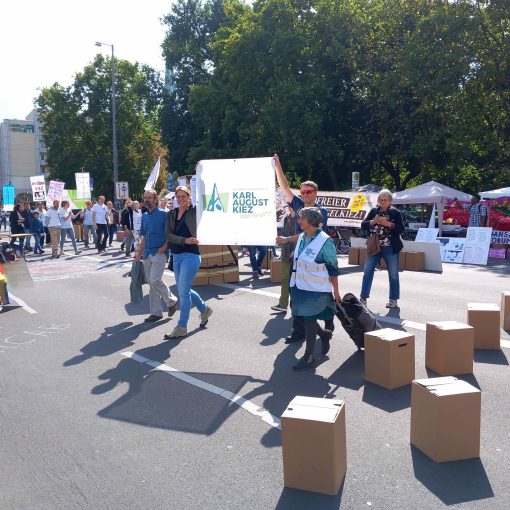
(308, 191)
(152, 249)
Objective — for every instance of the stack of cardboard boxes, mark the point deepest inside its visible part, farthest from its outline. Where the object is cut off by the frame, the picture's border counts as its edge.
(409, 260)
(218, 266)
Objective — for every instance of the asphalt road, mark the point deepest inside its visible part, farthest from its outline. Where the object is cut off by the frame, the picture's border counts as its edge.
(86, 422)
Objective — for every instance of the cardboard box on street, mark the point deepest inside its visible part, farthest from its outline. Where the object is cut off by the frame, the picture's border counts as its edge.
(449, 347)
(401, 261)
(389, 358)
(353, 256)
(213, 255)
(445, 418)
(505, 310)
(231, 274)
(276, 271)
(415, 261)
(266, 262)
(486, 319)
(314, 444)
(362, 256)
(201, 278)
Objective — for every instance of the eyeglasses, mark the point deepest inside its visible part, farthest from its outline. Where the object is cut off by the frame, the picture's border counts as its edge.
(307, 191)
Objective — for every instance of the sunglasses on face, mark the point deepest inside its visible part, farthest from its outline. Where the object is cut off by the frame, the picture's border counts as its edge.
(307, 191)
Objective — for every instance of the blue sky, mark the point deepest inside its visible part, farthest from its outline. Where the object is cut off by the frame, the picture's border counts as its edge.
(47, 41)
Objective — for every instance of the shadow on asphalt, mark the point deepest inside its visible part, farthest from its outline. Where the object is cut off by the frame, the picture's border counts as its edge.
(497, 266)
(113, 339)
(351, 373)
(294, 499)
(452, 482)
(490, 357)
(387, 400)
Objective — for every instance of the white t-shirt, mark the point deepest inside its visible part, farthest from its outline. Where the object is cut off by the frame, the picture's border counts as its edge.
(53, 217)
(65, 223)
(100, 211)
(137, 220)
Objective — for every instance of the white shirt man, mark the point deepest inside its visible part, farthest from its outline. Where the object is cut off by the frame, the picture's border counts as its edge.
(102, 230)
(54, 226)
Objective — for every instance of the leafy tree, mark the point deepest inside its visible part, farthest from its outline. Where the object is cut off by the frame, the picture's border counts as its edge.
(77, 124)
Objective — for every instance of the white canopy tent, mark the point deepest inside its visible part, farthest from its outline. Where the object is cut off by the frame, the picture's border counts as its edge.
(496, 193)
(430, 193)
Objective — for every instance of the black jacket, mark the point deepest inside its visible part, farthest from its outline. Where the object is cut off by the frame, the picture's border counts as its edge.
(126, 218)
(396, 231)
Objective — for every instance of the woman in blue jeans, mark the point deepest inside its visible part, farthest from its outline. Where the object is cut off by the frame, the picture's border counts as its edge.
(386, 222)
(181, 233)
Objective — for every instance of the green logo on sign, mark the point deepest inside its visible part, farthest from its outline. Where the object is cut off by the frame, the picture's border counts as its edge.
(217, 202)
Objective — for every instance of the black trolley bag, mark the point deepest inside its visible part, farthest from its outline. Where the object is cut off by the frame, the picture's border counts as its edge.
(356, 319)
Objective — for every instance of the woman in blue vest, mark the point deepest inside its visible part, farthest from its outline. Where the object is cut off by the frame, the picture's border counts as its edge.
(314, 282)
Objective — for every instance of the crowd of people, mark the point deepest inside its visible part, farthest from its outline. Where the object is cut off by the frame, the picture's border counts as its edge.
(158, 234)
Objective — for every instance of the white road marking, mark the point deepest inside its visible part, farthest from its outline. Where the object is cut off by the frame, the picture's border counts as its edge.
(247, 289)
(21, 303)
(245, 404)
(505, 343)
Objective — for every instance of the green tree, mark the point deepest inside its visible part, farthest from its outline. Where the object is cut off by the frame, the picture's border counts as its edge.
(77, 124)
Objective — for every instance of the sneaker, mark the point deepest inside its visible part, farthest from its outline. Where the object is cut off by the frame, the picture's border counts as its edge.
(62, 252)
(304, 363)
(178, 332)
(291, 339)
(153, 318)
(392, 303)
(171, 308)
(204, 317)
(77, 252)
(279, 308)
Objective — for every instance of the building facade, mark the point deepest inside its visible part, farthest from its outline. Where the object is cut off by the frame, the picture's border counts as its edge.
(22, 154)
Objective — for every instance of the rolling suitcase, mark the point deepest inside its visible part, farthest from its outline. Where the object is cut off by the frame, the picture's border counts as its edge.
(356, 319)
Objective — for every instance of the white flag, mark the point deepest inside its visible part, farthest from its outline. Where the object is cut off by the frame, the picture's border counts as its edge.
(153, 177)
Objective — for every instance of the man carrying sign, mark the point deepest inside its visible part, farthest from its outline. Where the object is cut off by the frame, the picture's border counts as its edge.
(308, 191)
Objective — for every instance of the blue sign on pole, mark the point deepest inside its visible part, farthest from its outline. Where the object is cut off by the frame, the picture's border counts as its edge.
(8, 194)
(91, 184)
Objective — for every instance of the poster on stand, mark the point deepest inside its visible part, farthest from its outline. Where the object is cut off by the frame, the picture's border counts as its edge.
(82, 185)
(236, 202)
(8, 197)
(452, 249)
(38, 188)
(500, 237)
(478, 240)
(427, 235)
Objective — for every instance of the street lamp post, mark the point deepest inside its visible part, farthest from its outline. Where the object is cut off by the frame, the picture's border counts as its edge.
(114, 127)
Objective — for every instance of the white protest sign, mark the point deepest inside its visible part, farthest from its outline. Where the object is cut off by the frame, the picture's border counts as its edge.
(38, 188)
(55, 189)
(236, 201)
(193, 189)
(478, 240)
(82, 185)
(500, 236)
(427, 235)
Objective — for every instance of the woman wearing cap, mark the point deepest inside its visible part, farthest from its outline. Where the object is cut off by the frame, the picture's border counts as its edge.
(181, 233)
(314, 279)
(386, 222)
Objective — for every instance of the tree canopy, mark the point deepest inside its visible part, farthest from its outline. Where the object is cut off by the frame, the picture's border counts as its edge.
(400, 91)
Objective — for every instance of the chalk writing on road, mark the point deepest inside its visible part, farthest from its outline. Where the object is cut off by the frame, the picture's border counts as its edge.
(30, 336)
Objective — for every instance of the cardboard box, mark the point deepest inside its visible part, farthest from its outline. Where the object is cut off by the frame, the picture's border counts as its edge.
(389, 358)
(266, 262)
(505, 310)
(314, 444)
(201, 278)
(445, 418)
(486, 319)
(362, 256)
(415, 261)
(276, 271)
(231, 274)
(498, 245)
(213, 255)
(353, 256)
(401, 262)
(227, 256)
(449, 347)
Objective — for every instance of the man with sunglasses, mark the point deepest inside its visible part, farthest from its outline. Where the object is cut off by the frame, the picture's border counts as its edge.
(308, 191)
